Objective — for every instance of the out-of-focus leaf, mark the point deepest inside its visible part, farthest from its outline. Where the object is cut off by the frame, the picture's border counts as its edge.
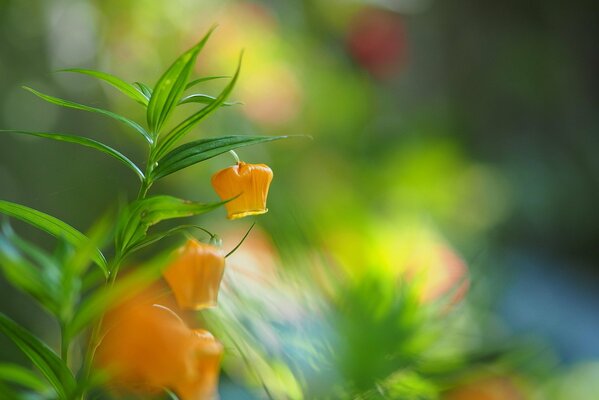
(142, 214)
(145, 90)
(51, 225)
(24, 276)
(133, 283)
(204, 99)
(50, 265)
(171, 86)
(408, 385)
(199, 150)
(153, 238)
(204, 79)
(77, 106)
(76, 262)
(124, 87)
(48, 363)
(16, 374)
(62, 137)
(184, 127)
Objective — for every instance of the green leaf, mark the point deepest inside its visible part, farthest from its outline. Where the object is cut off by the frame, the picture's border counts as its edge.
(48, 363)
(184, 127)
(204, 99)
(77, 106)
(171, 395)
(197, 151)
(24, 276)
(21, 376)
(171, 86)
(204, 79)
(124, 87)
(51, 225)
(156, 237)
(62, 137)
(145, 89)
(126, 287)
(142, 214)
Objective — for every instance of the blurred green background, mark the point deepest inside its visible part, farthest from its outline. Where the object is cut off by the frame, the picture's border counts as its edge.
(466, 123)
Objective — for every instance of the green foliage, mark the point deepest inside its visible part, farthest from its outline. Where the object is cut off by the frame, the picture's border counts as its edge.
(144, 213)
(197, 151)
(61, 281)
(16, 374)
(179, 131)
(70, 104)
(40, 280)
(47, 362)
(203, 99)
(52, 225)
(204, 79)
(87, 143)
(126, 88)
(167, 92)
(91, 309)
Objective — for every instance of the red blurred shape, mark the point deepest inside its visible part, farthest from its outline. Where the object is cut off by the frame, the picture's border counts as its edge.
(377, 41)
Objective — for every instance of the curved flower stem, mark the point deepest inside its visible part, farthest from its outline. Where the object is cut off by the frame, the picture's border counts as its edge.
(235, 156)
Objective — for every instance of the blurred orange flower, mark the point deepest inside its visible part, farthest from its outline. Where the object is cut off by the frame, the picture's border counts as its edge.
(489, 388)
(195, 274)
(207, 355)
(249, 182)
(146, 347)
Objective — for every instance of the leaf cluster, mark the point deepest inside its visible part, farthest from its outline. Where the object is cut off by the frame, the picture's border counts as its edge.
(76, 282)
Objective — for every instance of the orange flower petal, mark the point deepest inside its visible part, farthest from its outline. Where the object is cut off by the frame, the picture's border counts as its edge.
(249, 182)
(195, 275)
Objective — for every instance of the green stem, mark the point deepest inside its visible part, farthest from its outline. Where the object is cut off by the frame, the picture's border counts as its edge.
(95, 335)
(143, 190)
(235, 156)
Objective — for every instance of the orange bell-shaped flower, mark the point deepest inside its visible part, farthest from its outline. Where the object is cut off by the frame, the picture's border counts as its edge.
(249, 182)
(195, 274)
(146, 347)
(206, 361)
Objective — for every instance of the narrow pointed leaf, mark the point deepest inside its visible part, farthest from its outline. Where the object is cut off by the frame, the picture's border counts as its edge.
(156, 237)
(171, 86)
(82, 107)
(51, 225)
(21, 376)
(199, 150)
(145, 89)
(124, 87)
(204, 79)
(108, 296)
(204, 99)
(87, 143)
(24, 276)
(143, 214)
(44, 358)
(184, 127)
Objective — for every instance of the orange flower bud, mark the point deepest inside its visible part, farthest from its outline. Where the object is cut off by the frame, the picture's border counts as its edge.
(195, 274)
(147, 347)
(249, 182)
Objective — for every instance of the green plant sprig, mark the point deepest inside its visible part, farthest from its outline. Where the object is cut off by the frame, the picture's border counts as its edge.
(62, 282)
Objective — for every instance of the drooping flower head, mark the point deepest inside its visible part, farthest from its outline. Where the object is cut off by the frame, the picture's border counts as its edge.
(247, 185)
(206, 361)
(146, 347)
(195, 274)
